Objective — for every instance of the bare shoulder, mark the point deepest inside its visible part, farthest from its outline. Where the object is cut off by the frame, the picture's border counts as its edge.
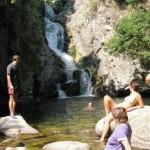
(136, 94)
(139, 98)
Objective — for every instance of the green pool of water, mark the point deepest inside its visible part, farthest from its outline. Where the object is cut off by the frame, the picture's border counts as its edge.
(60, 120)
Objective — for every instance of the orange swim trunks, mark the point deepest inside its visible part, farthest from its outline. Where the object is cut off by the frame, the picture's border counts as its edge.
(12, 91)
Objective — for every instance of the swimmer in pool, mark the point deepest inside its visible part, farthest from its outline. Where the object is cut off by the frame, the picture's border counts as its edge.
(89, 107)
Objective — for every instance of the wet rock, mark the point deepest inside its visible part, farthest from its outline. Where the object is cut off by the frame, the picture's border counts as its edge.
(67, 145)
(16, 148)
(139, 120)
(12, 127)
(71, 89)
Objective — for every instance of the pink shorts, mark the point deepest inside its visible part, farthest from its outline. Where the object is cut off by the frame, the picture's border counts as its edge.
(12, 91)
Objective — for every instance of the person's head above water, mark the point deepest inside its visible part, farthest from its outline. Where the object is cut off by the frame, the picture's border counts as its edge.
(90, 104)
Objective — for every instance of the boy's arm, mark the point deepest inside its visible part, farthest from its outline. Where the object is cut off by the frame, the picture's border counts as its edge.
(126, 144)
(9, 81)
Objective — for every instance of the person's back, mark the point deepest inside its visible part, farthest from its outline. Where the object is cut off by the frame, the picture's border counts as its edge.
(12, 71)
(121, 137)
(122, 131)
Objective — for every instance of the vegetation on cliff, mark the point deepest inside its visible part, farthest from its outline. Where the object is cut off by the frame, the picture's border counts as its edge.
(57, 5)
(133, 36)
(130, 1)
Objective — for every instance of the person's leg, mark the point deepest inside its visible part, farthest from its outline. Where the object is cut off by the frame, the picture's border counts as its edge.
(108, 120)
(14, 102)
(109, 104)
(11, 104)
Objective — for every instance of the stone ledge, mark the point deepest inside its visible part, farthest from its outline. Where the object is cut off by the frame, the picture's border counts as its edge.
(12, 127)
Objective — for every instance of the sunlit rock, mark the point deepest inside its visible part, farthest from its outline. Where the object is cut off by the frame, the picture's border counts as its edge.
(139, 120)
(12, 127)
(67, 145)
(90, 30)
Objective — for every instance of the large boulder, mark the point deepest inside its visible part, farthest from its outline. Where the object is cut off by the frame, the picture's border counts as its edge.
(67, 145)
(12, 127)
(139, 120)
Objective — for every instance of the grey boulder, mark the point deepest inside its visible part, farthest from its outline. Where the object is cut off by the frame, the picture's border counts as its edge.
(12, 127)
(67, 145)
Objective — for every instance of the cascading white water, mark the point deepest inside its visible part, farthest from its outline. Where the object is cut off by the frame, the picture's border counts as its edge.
(86, 84)
(61, 93)
(70, 75)
(54, 34)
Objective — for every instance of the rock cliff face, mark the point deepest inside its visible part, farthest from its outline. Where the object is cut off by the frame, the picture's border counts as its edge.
(90, 24)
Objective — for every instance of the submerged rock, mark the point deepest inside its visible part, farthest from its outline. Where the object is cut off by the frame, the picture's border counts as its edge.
(13, 127)
(139, 120)
(16, 148)
(67, 145)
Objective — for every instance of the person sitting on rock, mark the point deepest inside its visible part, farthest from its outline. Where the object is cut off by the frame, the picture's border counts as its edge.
(133, 101)
(120, 139)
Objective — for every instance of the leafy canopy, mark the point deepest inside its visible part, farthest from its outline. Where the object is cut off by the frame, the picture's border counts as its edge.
(133, 36)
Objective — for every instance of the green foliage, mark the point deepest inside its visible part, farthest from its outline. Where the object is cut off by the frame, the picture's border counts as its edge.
(73, 51)
(57, 5)
(13, 1)
(132, 2)
(133, 35)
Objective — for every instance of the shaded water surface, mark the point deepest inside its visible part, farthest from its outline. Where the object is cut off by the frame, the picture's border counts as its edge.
(60, 119)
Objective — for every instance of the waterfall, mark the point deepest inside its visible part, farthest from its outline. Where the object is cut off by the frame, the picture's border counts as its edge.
(70, 75)
(54, 34)
(61, 93)
(86, 84)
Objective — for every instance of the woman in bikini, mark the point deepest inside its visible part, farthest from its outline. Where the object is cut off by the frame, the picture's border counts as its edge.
(133, 101)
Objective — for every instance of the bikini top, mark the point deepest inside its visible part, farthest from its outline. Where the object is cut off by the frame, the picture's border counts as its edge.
(130, 98)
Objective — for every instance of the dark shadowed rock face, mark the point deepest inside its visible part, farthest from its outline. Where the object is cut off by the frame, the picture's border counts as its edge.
(23, 35)
(71, 89)
(139, 120)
